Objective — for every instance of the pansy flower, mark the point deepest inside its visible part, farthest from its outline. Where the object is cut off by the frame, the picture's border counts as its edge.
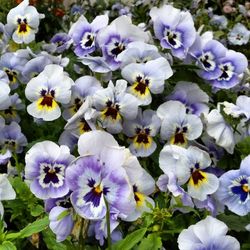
(174, 28)
(99, 228)
(232, 67)
(209, 233)
(98, 176)
(234, 190)
(141, 132)
(239, 35)
(12, 138)
(35, 66)
(220, 21)
(84, 120)
(190, 94)
(83, 87)
(84, 34)
(240, 109)
(96, 64)
(143, 185)
(10, 112)
(220, 130)
(206, 53)
(138, 52)
(189, 166)
(61, 227)
(12, 64)
(115, 105)
(177, 126)
(147, 78)
(50, 87)
(114, 39)
(23, 21)
(46, 163)
(59, 43)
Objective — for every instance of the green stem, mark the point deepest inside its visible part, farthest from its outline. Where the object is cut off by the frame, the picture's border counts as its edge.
(108, 225)
(18, 167)
(81, 239)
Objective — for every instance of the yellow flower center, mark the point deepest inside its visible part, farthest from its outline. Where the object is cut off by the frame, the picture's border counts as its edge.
(197, 178)
(139, 198)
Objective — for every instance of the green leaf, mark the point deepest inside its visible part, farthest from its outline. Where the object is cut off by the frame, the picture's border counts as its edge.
(244, 146)
(130, 240)
(7, 245)
(63, 214)
(245, 246)
(152, 242)
(51, 243)
(35, 227)
(36, 210)
(235, 222)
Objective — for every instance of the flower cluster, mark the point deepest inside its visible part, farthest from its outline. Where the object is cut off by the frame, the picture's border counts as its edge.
(121, 126)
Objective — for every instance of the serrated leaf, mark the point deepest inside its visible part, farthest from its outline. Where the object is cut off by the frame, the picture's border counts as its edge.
(152, 242)
(130, 240)
(35, 227)
(7, 245)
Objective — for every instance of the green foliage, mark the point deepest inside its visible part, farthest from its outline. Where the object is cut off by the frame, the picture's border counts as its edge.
(50, 240)
(7, 245)
(130, 240)
(35, 227)
(235, 222)
(244, 147)
(152, 242)
(26, 205)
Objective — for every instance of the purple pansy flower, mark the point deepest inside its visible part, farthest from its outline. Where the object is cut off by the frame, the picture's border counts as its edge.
(138, 52)
(46, 163)
(12, 63)
(99, 228)
(12, 138)
(98, 175)
(60, 42)
(83, 87)
(190, 94)
(84, 34)
(61, 227)
(174, 28)
(232, 66)
(234, 190)
(13, 104)
(114, 39)
(206, 53)
(61, 216)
